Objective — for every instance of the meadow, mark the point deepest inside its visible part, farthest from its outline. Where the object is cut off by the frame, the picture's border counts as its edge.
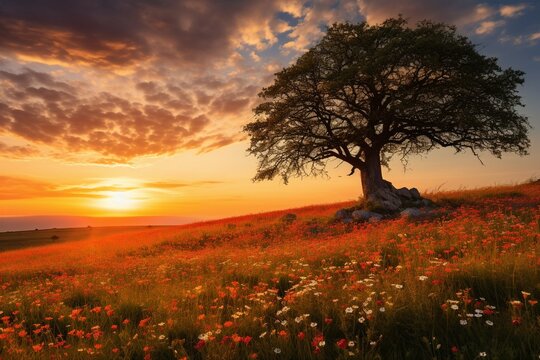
(11, 240)
(461, 282)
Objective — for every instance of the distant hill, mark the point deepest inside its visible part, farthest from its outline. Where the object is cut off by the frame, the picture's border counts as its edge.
(18, 223)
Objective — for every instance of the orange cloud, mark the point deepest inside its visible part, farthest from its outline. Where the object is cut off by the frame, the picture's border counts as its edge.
(12, 188)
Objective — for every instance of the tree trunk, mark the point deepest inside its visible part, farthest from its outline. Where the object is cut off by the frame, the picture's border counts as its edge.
(371, 175)
(379, 195)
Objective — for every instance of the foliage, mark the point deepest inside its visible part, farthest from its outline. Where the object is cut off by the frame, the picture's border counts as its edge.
(365, 93)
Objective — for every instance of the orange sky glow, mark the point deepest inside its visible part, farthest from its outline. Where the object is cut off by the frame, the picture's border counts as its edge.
(139, 111)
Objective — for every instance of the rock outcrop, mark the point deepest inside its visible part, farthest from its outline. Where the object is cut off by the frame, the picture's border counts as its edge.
(387, 202)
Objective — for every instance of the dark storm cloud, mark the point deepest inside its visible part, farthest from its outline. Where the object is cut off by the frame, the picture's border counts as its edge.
(123, 33)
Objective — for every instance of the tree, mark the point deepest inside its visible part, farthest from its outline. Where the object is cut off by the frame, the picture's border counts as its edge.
(366, 93)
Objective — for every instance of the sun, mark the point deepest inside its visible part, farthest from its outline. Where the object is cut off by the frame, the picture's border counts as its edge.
(118, 200)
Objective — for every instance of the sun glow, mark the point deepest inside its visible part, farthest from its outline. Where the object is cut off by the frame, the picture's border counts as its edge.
(118, 200)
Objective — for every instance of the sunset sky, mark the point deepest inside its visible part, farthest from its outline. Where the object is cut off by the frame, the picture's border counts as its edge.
(135, 108)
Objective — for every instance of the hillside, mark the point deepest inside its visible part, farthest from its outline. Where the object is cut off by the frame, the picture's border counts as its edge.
(459, 283)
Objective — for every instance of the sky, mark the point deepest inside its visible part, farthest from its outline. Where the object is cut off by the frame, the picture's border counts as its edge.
(136, 108)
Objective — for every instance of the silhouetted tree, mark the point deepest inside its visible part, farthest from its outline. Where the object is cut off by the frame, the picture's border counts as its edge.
(365, 93)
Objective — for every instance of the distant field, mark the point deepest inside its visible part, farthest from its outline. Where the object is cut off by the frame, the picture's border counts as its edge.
(12, 240)
(462, 282)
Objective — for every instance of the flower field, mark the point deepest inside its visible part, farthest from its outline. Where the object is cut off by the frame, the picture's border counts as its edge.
(462, 282)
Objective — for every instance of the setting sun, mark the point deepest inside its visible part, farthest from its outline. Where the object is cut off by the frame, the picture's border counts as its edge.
(118, 200)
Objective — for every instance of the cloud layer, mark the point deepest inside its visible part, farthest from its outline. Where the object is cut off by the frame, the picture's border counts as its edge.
(113, 81)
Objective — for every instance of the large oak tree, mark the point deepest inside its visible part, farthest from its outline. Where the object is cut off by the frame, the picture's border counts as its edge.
(366, 93)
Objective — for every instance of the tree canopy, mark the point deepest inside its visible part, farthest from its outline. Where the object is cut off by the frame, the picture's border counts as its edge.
(366, 93)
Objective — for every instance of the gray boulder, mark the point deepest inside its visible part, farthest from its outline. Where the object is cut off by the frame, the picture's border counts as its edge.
(361, 215)
(375, 218)
(411, 213)
(404, 193)
(342, 214)
(385, 199)
(415, 194)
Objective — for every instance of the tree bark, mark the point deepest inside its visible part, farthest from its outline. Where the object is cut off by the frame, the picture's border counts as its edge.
(379, 195)
(371, 175)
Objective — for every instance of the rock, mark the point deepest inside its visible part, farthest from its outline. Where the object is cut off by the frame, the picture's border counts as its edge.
(385, 199)
(362, 215)
(411, 213)
(342, 214)
(375, 218)
(415, 194)
(404, 193)
(427, 202)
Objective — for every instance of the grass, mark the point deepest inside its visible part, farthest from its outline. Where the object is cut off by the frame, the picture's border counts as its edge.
(293, 284)
(13, 240)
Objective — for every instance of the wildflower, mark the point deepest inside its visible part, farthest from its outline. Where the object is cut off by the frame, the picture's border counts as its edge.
(361, 320)
(516, 303)
(463, 322)
(489, 322)
(38, 347)
(98, 346)
(322, 343)
(161, 337)
(328, 321)
(488, 311)
(247, 339)
(482, 354)
(262, 335)
(454, 307)
(422, 278)
(228, 324)
(200, 344)
(342, 343)
(349, 310)
(298, 319)
(144, 322)
(313, 324)
(22, 333)
(525, 294)
(277, 350)
(382, 309)
(301, 335)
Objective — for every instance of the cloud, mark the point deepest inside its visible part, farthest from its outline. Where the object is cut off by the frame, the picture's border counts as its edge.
(535, 36)
(17, 188)
(512, 10)
(487, 27)
(16, 151)
(36, 108)
(458, 12)
(314, 19)
(122, 34)
(13, 188)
